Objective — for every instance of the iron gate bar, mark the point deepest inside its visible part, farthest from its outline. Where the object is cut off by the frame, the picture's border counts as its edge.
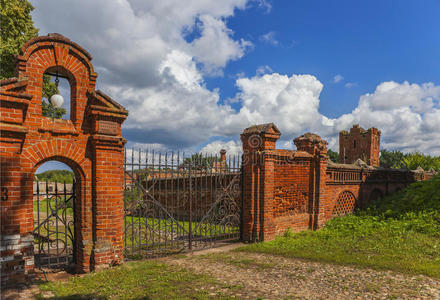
(56, 217)
(153, 200)
(168, 192)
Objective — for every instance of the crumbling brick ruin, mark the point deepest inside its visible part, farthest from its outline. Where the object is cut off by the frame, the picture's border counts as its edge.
(302, 189)
(359, 144)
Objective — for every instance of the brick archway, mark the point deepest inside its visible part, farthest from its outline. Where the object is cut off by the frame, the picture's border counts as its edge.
(90, 142)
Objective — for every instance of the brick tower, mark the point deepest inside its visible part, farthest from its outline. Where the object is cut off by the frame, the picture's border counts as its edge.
(359, 143)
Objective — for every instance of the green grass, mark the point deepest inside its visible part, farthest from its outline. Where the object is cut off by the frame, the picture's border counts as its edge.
(400, 232)
(139, 280)
(209, 230)
(43, 206)
(162, 236)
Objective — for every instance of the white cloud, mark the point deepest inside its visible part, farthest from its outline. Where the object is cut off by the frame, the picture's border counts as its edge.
(407, 114)
(232, 147)
(338, 78)
(261, 70)
(269, 38)
(145, 63)
(215, 47)
(349, 85)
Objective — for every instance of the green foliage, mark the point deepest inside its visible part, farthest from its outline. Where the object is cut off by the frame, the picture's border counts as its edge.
(200, 161)
(16, 27)
(400, 232)
(391, 159)
(397, 159)
(56, 175)
(50, 111)
(333, 155)
(49, 89)
(417, 159)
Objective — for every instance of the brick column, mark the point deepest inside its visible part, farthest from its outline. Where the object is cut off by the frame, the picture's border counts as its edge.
(258, 181)
(313, 144)
(108, 201)
(16, 241)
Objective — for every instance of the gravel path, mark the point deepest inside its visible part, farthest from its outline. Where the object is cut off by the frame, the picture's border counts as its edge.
(262, 276)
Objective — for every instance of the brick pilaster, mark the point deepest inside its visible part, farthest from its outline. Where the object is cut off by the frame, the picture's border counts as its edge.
(258, 181)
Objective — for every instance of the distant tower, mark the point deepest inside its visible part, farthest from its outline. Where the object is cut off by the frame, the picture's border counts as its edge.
(359, 143)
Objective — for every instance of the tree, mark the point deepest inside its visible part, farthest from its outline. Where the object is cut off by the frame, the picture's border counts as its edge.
(391, 159)
(17, 27)
(56, 175)
(414, 160)
(199, 161)
(396, 159)
(333, 155)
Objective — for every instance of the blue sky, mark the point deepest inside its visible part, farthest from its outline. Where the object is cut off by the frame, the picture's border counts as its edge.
(367, 42)
(193, 75)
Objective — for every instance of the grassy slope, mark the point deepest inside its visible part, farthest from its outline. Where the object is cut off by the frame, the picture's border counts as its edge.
(401, 233)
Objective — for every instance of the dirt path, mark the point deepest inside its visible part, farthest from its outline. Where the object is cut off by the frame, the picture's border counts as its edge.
(261, 276)
(254, 276)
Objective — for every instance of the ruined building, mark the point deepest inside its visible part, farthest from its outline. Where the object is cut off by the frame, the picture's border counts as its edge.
(359, 143)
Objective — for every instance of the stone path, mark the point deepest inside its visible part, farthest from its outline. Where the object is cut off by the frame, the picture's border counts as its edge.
(254, 276)
(261, 276)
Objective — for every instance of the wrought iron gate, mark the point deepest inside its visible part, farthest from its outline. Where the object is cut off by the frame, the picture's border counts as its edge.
(176, 203)
(54, 206)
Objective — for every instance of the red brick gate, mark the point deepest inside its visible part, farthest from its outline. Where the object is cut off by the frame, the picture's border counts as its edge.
(90, 143)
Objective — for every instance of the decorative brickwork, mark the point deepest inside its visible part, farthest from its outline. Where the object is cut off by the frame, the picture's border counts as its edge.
(345, 204)
(302, 189)
(359, 144)
(90, 143)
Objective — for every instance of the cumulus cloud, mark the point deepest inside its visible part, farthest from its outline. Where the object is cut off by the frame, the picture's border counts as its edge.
(407, 114)
(232, 147)
(338, 78)
(146, 64)
(215, 47)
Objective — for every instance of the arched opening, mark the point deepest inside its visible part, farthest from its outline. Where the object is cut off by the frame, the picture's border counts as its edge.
(54, 201)
(345, 204)
(57, 80)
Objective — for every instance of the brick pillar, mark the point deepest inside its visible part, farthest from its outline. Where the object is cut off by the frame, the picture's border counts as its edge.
(313, 144)
(322, 195)
(108, 206)
(258, 181)
(16, 241)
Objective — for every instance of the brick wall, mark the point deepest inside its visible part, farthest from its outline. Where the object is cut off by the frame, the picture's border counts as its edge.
(302, 189)
(90, 143)
(359, 144)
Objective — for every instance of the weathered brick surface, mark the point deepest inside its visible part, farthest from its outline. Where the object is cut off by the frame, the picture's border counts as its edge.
(90, 143)
(359, 143)
(302, 189)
